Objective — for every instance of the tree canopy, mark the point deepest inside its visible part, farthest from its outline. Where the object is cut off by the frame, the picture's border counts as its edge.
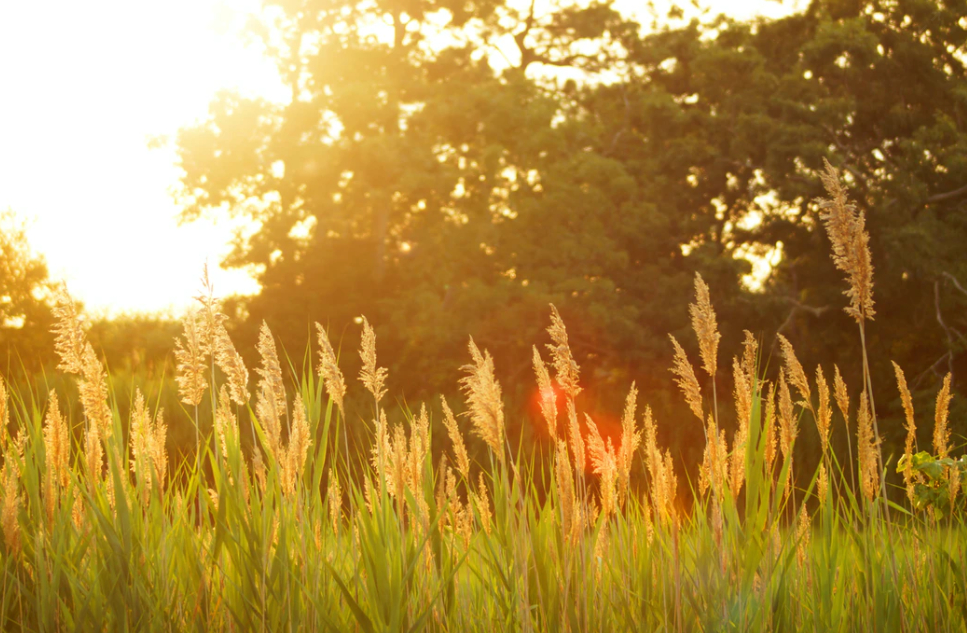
(24, 314)
(451, 168)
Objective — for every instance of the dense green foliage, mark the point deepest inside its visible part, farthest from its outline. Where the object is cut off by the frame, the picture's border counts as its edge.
(24, 313)
(451, 168)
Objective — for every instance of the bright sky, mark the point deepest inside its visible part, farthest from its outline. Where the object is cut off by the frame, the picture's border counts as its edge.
(83, 86)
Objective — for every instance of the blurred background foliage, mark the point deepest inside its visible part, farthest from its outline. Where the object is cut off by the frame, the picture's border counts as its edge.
(449, 168)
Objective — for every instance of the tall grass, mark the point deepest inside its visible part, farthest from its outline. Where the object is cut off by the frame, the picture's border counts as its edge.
(297, 532)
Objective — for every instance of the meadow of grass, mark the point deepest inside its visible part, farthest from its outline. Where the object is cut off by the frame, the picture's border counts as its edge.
(275, 524)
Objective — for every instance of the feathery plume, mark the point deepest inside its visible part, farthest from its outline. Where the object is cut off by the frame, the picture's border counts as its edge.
(705, 326)
(687, 382)
(70, 338)
(267, 412)
(841, 393)
(548, 396)
(868, 450)
(566, 370)
(630, 441)
(750, 350)
(483, 503)
(298, 450)
(211, 317)
(824, 415)
(191, 356)
(157, 448)
(803, 530)
(565, 488)
(329, 370)
(4, 416)
(226, 425)
(486, 410)
(846, 227)
(140, 440)
(57, 442)
(230, 362)
(788, 429)
(456, 438)
(334, 497)
(910, 476)
(771, 438)
(372, 377)
(575, 438)
(602, 464)
(941, 434)
(10, 514)
(795, 373)
(271, 385)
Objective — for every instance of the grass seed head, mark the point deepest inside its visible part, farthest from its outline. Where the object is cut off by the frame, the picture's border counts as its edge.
(566, 370)
(372, 377)
(687, 382)
(484, 400)
(191, 353)
(548, 396)
(456, 439)
(329, 371)
(705, 326)
(941, 434)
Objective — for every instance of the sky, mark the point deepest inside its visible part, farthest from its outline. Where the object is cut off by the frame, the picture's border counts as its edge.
(84, 86)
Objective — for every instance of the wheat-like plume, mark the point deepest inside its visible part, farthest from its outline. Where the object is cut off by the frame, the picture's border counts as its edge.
(271, 384)
(714, 471)
(687, 382)
(868, 450)
(210, 316)
(743, 385)
(803, 525)
(750, 350)
(191, 356)
(230, 362)
(602, 464)
(372, 377)
(329, 370)
(482, 500)
(226, 424)
(841, 393)
(334, 498)
(70, 338)
(298, 449)
(482, 391)
(795, 373)
(788, 428)
(157, 448)
(456, 439)
(575, 438)
(566, 370)
(140, 439)
(846, 227)
(705, 326)
(57, 442)
(267, 412)
(941, 434)
(910, 476)
(9, 514)
(630, 440)
(4, 415)
(565, 490)
(769, 428)
(824, 414)
(548, 396)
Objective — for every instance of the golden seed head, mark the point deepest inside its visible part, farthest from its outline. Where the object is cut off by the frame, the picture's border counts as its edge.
(795, 373)
(742, 392)
(270, 385)
(824, 415)
(140, 439)
(226, 425)
(788, 424)
(910, 476)
(705, 326)
(70, 336)
(687, 382)
(941, 434)
(482, 391)
(841, 393)
(10, 514)
(456, 439)
(483, 503)
(329, 370)
(769, 425)
(867, 449)
(846, 227)
(630, 441)
(750, 350)
(603, 464)
(230, 362)
(372, 377)
(298, 450)
(57, 443)
(548, 396)
(575, 438)
(334, 499)
(92, 392)
(191, 353)
(566, 369)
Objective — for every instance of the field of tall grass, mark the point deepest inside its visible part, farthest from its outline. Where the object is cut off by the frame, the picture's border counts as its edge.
(276, 524)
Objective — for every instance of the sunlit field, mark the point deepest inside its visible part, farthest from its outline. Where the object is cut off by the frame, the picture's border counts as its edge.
(276, 522)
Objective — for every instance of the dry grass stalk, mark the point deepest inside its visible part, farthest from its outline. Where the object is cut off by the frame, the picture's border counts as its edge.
(822, 483)
(687, 382)
(70, 338)
(575, 438)
(788, 429)
(329, 370)
(795, 373)
(566, 370)
(486, 409)
(298, 449)
(743, 410)
(334, 499)
(565, 490)
(372, 377)
(157, 448)
(846, 227)
(868, 450)
(10, 513)
(56, 444)
(267, 412)
(769, 429)
(93, 454)
(482, 501)
(941, 434)
(547, 393)
(456, 439)
(841, 393)
(92, 392)
(910, 476)
(823, 415)
(230, 362)
(271, 385)
(603, 464)
(630, 441)
(191, 356)
(750, 350)
(226, 425)
(714, 471)
(140, 440)
(705, 326)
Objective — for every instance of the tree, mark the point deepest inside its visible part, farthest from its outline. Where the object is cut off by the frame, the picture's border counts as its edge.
(25, 317)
